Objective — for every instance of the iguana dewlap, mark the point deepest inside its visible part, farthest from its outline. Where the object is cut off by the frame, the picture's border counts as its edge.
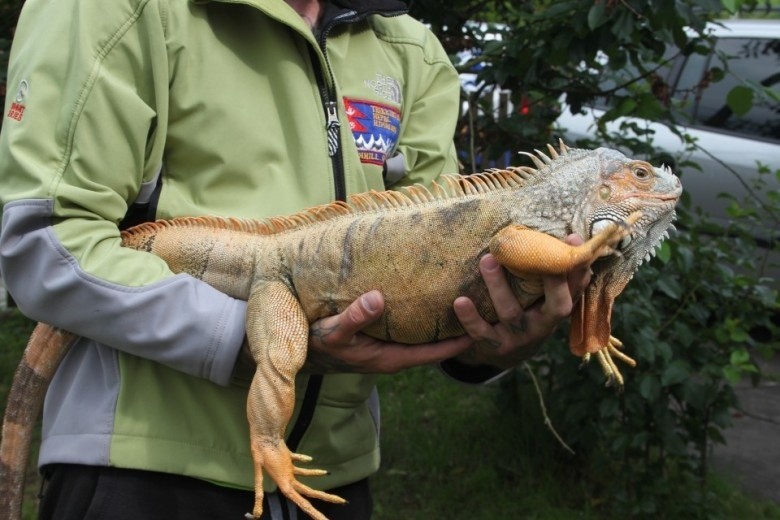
(420, 248)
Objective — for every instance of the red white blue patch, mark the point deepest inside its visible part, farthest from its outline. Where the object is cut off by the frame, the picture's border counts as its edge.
(375, 127)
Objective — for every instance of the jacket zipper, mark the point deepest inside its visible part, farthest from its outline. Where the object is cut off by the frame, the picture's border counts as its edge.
(330, 103)
(328, 94)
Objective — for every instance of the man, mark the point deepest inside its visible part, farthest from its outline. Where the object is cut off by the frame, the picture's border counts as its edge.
(134, 110)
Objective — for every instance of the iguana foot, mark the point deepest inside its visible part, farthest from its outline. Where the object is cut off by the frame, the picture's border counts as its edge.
(608, 233)
(273, 457)
(605, 358)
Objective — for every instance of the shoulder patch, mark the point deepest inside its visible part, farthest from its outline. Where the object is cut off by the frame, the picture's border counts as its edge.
(16, 110)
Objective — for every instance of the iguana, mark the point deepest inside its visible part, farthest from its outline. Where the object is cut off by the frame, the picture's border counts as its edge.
(420, 247)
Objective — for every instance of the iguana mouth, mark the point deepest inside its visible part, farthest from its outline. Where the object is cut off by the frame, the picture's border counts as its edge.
(664, 197)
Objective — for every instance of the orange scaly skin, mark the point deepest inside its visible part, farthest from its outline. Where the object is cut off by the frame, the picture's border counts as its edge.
(421, 248)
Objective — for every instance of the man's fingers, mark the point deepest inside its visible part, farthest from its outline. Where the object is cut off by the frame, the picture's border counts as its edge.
(472, 322)
(558, 302)
(342, 327)
(504, 301)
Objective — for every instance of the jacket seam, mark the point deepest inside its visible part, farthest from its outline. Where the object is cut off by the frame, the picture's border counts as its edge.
(86, 89)
(396, 40)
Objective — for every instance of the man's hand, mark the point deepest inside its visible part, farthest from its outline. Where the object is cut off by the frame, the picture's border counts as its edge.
(337, 346)
(519, 333)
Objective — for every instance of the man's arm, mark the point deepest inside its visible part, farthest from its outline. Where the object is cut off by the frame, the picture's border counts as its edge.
(91, 137)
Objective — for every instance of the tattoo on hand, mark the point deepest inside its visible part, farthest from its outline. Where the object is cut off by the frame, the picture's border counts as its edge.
(492, 343)
(319, 361)
(321, 334)
(519, 326)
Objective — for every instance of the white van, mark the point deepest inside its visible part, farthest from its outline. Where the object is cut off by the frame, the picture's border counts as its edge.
(728, 147)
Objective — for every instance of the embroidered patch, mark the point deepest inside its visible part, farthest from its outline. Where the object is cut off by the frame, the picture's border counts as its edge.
(375, 127)
(16, 110)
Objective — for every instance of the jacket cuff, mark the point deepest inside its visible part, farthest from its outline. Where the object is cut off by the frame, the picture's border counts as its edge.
(234, 330)
(471, 374)
(394, 169)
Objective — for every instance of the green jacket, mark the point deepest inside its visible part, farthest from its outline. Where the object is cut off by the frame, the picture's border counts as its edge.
(228, 104)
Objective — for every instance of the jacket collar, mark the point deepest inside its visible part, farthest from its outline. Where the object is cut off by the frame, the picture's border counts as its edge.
(372, 6)
(361, 7)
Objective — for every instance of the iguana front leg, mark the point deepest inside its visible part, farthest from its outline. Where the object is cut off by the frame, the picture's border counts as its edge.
(278, 335)
(524, 252)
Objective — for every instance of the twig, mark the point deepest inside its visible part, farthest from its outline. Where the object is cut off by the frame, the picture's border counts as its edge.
(630, 8)
(547, 420)
(758, 417)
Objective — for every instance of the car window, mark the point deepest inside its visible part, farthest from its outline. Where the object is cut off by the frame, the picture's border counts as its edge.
(751, 60)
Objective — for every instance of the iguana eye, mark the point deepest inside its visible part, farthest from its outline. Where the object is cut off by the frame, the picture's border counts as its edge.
(641, 173)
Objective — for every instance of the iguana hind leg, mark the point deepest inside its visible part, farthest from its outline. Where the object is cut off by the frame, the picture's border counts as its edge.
(278, 334)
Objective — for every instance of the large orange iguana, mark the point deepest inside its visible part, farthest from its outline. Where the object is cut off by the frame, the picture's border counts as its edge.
(420, 248)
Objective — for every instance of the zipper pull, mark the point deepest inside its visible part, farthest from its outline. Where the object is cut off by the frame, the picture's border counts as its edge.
(332, 127)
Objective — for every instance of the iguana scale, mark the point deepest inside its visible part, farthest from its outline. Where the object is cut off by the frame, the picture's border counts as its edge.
(420, 247)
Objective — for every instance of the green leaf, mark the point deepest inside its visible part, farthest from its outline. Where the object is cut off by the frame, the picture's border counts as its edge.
(772, 93)
(670, 287)
(732, 373)
(739, 357)
(717, 74)
(740, 100)
(624, 25)
(664, 253)
(676, 372)
(732, 6)
(597, 15)
(738, 335)
(625, 107)
(609, 407)
(649, 387)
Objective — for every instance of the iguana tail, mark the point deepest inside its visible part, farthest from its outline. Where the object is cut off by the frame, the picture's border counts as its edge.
(45, 349)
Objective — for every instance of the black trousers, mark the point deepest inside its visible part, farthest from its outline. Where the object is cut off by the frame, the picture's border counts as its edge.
(73, 492)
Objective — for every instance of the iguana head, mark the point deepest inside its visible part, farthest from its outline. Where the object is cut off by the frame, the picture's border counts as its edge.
(622, 186)
(627, 186)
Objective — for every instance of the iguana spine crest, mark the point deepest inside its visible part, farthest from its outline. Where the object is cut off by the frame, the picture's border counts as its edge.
(454, 186)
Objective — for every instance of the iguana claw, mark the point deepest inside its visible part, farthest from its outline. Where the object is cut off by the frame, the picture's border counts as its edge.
(275, 459)
(605, 358)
